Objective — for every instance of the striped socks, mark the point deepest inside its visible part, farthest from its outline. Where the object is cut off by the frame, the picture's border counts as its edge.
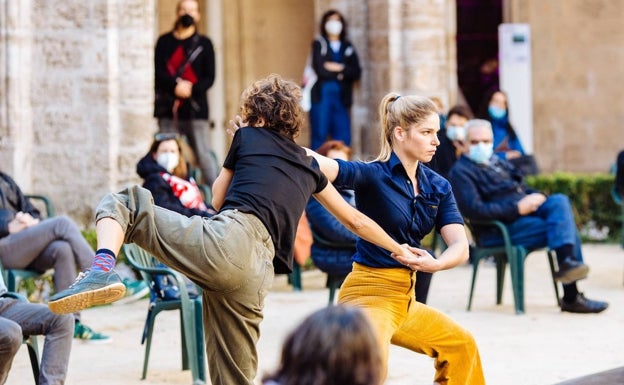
(104, 260)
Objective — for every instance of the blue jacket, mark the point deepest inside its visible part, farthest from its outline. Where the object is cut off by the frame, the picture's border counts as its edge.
(488, 192)
(334, 259)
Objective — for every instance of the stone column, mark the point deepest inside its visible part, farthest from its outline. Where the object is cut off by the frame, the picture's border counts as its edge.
(16, 147)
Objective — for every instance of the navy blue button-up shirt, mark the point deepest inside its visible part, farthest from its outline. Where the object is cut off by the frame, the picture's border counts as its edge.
(384, 192)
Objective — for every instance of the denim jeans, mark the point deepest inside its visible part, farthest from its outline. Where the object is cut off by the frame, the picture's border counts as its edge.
(228, 255)
(55, 243)
(552, 226)
(18, 319)
(329, 117)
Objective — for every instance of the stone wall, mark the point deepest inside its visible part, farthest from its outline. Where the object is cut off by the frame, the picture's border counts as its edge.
(78, 110)
(578, 67)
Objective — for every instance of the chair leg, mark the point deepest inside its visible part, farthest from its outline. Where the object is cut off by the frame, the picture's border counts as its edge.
(501, 265)
(551, 262)
(475, 267)
(33, 353)
(516, 267)
(294, 278)
(199, 336)
(148, 341)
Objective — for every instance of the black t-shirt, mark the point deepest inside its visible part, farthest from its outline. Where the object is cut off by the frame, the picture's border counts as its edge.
(273, 179)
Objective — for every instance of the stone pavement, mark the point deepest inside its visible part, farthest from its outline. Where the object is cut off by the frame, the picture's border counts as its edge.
(541, 347)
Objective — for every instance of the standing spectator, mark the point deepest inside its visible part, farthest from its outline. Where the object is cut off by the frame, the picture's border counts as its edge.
(165, 173)
(451, 140)
(26, 242)
(20, 318)
(495, 109)
(335, 345)
(409, 200)
(337, 67)
(184, 63)
(489, 188)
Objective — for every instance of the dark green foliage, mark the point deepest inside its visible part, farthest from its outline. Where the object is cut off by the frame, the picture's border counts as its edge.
(590, 195)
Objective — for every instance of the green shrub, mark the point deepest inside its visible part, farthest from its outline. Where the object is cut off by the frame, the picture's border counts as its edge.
(590, 196)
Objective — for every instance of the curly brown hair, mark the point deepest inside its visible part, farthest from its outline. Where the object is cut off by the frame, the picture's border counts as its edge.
(274, 103)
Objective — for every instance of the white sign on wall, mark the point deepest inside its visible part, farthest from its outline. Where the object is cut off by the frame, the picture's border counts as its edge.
(514, 51)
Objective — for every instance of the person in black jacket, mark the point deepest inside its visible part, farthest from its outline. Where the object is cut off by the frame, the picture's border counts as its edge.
(337, 67)
(184, 64)
(165, 174)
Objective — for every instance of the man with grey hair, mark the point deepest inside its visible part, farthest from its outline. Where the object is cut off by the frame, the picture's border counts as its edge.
(489, 188)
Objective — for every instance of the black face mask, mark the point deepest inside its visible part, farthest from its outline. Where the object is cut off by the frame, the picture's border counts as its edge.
(186, 21)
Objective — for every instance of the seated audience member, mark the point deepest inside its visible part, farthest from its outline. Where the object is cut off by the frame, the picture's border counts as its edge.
(165, 174)
(495, 109)
(21, 318)
(451, 137)
(26, 242)
(619, 174)
(489, 188)
(335, 345)
(333, 257)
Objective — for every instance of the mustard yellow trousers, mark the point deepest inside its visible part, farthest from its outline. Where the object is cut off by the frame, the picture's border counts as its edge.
(387, 297)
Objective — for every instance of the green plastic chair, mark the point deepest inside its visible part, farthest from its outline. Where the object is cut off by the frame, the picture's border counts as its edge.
(30, 341)
(515, 255)
(13, 277)
(192, 333)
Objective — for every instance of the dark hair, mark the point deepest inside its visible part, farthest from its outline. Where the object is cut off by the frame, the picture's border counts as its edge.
(333, 346)
(274, 103)
(484, 114)
(460, 110)
(338, 145)
(326, 15)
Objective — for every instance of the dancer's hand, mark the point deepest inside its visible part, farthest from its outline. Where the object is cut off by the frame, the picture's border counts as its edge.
(418, 259)
(235, 124)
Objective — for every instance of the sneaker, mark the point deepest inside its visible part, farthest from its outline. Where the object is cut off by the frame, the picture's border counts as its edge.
(135, 290)
(91, 288)
(84, 333)
(571, 270)
(583, 305)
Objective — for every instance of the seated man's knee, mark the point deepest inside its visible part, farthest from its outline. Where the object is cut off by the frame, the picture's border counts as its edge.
(10, 337)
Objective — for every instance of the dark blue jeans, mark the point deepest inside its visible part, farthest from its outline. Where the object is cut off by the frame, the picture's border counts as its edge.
(552, 226)
(329, 117)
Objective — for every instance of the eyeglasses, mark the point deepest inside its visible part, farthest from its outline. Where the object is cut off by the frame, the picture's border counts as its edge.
(162, 136)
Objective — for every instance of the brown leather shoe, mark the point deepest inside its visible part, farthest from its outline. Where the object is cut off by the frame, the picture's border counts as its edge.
(583, 305)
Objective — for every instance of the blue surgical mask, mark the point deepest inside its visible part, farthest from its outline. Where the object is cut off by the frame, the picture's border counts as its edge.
(456, 133)
(497, 112)
(481, 152)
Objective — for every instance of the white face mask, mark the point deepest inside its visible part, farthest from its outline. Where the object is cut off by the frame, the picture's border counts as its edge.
(456, 133)
(168, 160)
(482, 152)
(333, 27)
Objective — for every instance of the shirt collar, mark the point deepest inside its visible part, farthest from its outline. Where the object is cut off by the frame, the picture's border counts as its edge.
(424, 184)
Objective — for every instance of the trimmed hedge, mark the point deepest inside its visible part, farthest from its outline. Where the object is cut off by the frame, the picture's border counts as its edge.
(590, 195)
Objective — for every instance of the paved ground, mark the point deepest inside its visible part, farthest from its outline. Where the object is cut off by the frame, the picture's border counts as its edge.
(542, 347)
